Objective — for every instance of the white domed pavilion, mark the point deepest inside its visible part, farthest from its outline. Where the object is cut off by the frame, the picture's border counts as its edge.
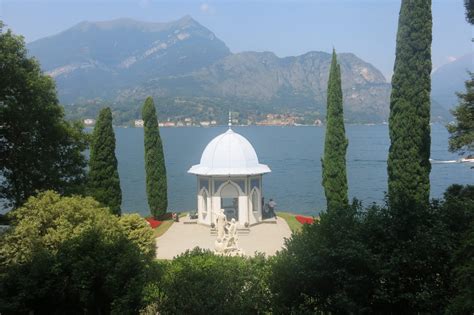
(229, 177)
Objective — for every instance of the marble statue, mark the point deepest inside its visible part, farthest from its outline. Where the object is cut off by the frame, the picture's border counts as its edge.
(221, 222)
(226, 243)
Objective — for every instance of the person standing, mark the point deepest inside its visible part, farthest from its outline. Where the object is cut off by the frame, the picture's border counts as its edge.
(271, 205)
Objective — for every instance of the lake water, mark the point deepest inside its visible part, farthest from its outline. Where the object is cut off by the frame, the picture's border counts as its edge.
(293, 154)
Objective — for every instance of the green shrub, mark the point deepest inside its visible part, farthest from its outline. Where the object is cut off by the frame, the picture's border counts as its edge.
(199, 282)
(139, 231)
(68, 255)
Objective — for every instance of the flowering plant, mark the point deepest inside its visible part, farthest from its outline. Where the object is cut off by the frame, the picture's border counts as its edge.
(304, 220)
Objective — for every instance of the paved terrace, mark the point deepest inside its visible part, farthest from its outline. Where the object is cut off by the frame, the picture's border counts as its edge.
(266, 238)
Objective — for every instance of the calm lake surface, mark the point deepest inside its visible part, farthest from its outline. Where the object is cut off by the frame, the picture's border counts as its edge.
(294, 156)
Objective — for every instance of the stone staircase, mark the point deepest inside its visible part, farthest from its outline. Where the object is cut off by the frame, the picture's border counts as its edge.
(269, 221)
(240, 231)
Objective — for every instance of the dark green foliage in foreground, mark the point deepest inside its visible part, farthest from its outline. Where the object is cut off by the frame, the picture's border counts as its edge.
(39, 150)
(156, 185)
(459, 217)
(462, 131)
(335, 144)
(71, 256)
(199, 282)
(469, 5)
(89, 273)
(408, 160)
(359, 262)
(463, 301)
(326, 267)
(103, 178)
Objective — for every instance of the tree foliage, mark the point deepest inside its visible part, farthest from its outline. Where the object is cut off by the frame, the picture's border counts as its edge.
(335, 145)
(462, 131)
(49, 220)
(70, 255)
(39, 150)
(156, 182)
(139, 232)
(469, 5)
(364, 262)
(409, 122)
(325, 268)
(103, 178)
(200, 282)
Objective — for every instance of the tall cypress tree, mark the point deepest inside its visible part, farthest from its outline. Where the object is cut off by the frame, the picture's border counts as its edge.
(103, 181)
(335, 145)
(409, 123)
(156, 185)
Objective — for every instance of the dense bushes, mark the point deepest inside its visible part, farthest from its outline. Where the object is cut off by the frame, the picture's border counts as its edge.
(326, 267)
(199, 282)
(69, 255)
(368, 261)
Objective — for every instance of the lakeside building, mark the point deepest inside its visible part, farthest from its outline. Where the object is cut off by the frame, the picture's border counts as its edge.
(138, 123)
(167, 124)
(229, 177)
(89, 122)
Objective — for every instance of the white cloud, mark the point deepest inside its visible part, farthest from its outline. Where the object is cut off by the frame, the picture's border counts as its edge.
(451, 58)
(207, 8)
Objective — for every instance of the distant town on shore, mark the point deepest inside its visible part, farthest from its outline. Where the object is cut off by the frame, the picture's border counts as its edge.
(270, 120)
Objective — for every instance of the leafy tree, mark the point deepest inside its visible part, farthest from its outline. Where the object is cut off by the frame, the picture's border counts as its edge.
(139, 231)
(39, 150)
(409, 122)
(104, 181)
(199, 282)
(469, 5)
(48, 220)
(326, 268)
(457, 212)
(335, 145)
(70, 255)
(156, 185)
(413, 260)
(462, 301)
(415, 257)
(462, 132)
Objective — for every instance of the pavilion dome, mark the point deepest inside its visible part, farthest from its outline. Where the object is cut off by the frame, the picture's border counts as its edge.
(229, 154)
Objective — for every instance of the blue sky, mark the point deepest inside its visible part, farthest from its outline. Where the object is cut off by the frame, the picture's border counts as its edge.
(366, 27)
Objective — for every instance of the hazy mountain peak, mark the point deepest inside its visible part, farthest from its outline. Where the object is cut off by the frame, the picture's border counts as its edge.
(131, 24)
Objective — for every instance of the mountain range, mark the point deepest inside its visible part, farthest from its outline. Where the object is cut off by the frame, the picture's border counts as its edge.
(449, 79)
(190, 71)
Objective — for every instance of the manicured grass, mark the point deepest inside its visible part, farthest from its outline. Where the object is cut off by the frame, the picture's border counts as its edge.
(294, 225)
(166, 224)
(163, 227)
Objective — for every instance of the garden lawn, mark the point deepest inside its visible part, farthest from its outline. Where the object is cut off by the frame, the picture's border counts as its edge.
(163, 227)
(295, 221)
(294, 225)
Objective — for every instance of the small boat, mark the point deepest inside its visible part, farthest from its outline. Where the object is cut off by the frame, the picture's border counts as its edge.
(468, 159)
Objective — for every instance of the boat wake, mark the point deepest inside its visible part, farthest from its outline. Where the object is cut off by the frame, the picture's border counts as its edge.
(463, 160)
(444, 161)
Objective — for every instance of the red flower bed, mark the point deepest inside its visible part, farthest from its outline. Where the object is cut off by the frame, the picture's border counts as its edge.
(304, 220)
(153, 223)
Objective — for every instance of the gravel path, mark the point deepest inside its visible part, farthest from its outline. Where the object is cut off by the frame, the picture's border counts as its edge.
(265, 238)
